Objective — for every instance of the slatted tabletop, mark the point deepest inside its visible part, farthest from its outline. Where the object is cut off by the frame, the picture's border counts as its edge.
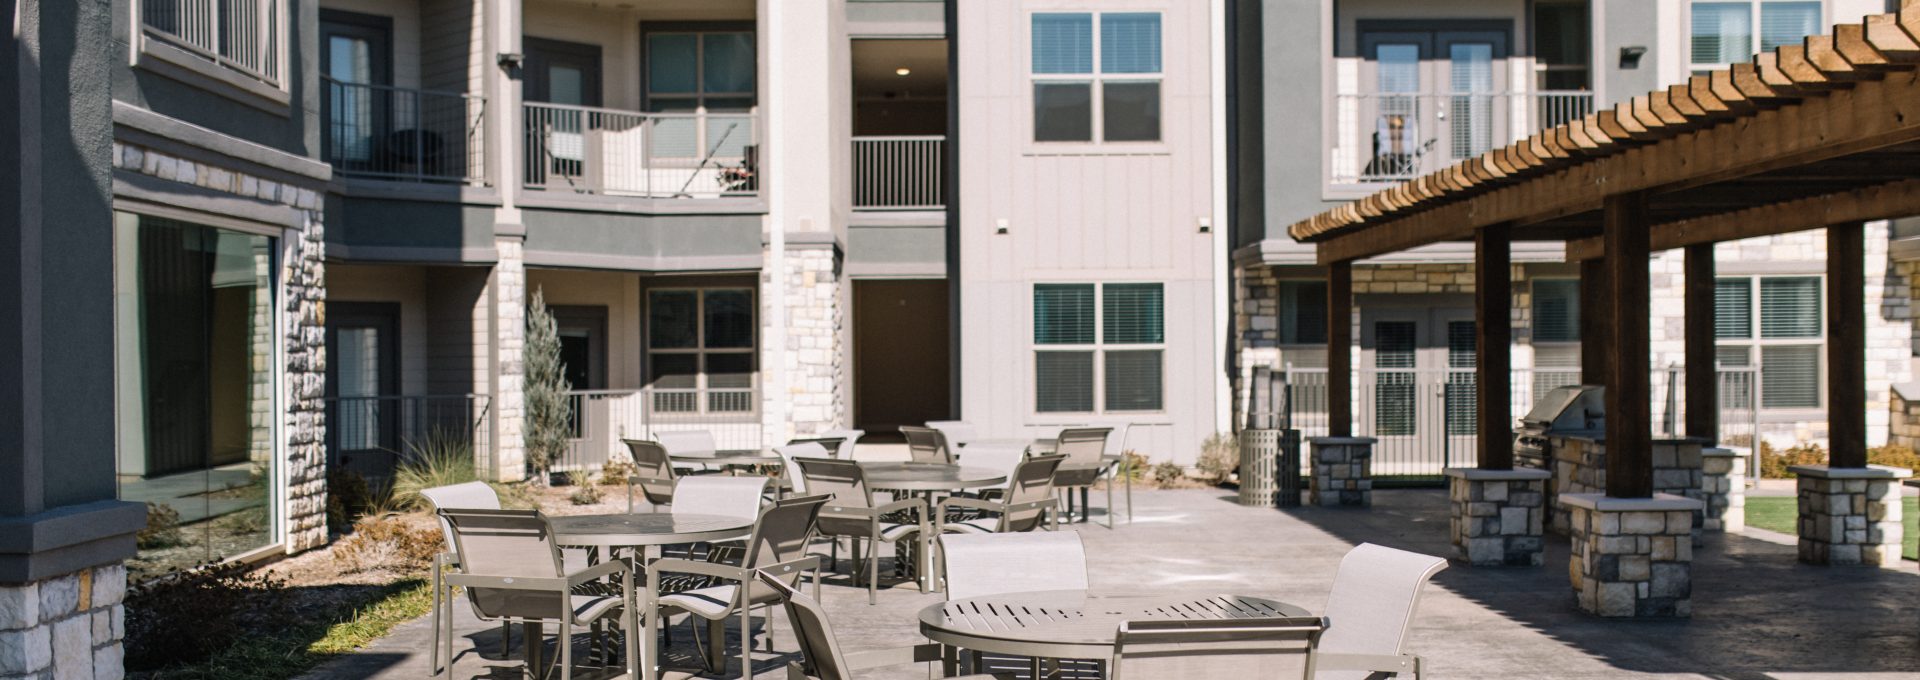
(1072, 624)
(646, 528)
(929, 476)
(732, 457)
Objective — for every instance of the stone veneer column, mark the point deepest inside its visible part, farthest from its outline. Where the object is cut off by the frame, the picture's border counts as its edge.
(1850, 516)
(510, 345)
(1498, 516)
(1632, 557)
(1342, 472)
(815, 369)
(1724, 481)
(68, 626)
(1256, 309)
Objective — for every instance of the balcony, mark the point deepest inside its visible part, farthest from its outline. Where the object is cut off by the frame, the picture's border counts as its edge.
(651, 155)
(602, 418)
(242, 35)
(411, 135)
(899, 172)
(1393, 137)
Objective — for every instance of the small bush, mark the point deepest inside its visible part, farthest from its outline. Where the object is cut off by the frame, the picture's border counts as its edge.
(192, 615)
(1774, 464)
(348, 498)
(1219, 457)
(616, 472)
(389, 542)
(163, 528)
(1168, 473)
(1133, 466)
(443, 458)
(515, 496)
(584, 491)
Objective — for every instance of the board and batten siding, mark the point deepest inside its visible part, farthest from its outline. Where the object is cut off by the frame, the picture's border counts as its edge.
(452, 33)
(1101, 213)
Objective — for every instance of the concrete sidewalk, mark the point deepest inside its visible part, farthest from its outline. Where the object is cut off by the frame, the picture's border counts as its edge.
(1757, 613)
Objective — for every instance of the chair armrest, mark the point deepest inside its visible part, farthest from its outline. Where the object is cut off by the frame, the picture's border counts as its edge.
(1377, 663)
(894, 656)
(794, 672)
(917, 504)
(595, 572)
(548, 584)
(807, 563)
(445, 559)
(680, 566)
(960, 502)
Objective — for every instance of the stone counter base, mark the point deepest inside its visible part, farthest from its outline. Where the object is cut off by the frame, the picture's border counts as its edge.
(1342, 472)
(1850, 516)
(1632, 557)
(1498, 516)
(1580, 466)
(1724, 479)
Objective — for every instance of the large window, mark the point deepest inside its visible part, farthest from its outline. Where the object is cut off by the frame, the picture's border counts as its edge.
(1772, 325)
(1096, 84)
(1303, 312)
(196, 390)
(1098, 347)
(701, 72)
(1724, 32)
(701, 350)
(243, 35)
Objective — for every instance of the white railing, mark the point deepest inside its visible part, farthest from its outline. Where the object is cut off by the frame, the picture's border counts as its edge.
(243, 35)
(899, 172)
(1395, 137)
(602, 418)
(404, 134)
(628, 153)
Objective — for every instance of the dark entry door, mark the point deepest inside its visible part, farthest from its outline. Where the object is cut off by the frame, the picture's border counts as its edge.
(363, 387)
(901, 372)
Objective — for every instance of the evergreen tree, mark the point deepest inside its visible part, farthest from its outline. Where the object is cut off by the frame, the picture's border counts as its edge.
(548, 410)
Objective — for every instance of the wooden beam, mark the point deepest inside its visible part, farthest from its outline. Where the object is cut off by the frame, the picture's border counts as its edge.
(1879, 202)
(1594, 311)
(1846, 345)
(1629, 406)
(1703, 379)
(1493, 349)
(1340, 349)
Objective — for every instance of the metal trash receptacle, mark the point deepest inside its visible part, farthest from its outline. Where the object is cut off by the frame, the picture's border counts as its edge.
(1259, 456)
(1287, 479)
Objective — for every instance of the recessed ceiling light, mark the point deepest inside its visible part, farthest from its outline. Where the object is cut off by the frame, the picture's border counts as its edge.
(903, 71)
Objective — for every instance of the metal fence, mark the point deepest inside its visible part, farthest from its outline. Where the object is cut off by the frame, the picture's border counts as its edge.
(404, 134)
(1393, 137)
(602, 418)
(243, 35)
(373, 435)
(629, 153)
(1426, 420)
(899, 172)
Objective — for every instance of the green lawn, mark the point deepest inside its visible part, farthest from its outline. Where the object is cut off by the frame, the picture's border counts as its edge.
(1778, 513)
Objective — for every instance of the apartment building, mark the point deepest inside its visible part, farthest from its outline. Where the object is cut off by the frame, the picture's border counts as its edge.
(1405, 88)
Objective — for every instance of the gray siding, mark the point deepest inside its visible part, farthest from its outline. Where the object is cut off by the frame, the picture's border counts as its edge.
(294, 129)
(383, 229)
(559, 238)
(897, 245)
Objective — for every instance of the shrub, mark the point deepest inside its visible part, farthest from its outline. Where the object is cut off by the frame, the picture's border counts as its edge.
(1219, 457)
(389, 542)
(616, 472)
(348, 497)
(443, 458)
(1774, 464)
(163, 528)
(549, 409)
(1168, 473)
(515, 496)
(1133, 466)
(584, 492)
(1894, 455)
(190, 616)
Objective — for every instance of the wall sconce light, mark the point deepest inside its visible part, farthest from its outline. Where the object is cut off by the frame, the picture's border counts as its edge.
(1206, 225)
(1630, 56)
(903, 72)
(511, 59)
(1000, 226)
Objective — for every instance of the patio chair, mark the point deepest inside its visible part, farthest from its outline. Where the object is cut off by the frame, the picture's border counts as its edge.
(1002, 459)
(1084, 448)
(1217, 648)
(927, 445)
(1027, 505)
(1117, 448)
(790, 470)
(829, 446)
(777, 547)
(717, 495)
(513, 572)
(853, 514)
(468, 496)
(977, 565)
(820, 656)
(689, 443)
(849, 438)
(957, 432)
(653, 472)
(1375, 593)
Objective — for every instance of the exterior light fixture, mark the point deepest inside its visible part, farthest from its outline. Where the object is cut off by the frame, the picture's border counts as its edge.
(903, 71)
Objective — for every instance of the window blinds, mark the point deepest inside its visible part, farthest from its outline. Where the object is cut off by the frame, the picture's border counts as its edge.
(1556, 310)
(1063, 314)
(1063, 43)
(1133, 380)
(1129, 42)
(1790, 376)
(1303, 312)
(1790, 307)
(1722, 32)
(1787, 23)
(1733, 308)
(1063, 381)
(1134, 314)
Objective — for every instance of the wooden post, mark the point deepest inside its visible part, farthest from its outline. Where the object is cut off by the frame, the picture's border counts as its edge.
(1846, 345)
(1493, 350)
(1340, 349)
(1703, 376)
(1629, 411)
(1593, 321)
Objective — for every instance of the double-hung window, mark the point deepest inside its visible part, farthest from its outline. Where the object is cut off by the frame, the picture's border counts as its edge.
(1099, 348)
(1725, 32)
(241, 35)
(700, 349)
(1556, 333)
(1779, 338)
(1096, 76)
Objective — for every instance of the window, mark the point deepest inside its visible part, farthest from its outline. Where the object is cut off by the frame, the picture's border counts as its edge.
(1780, 338)
(1723, 32)
(1114, 98)
(1556, 333)
(242, 35)
(700, 349)
(701, 72)
(1303, 312)
(1098, 347)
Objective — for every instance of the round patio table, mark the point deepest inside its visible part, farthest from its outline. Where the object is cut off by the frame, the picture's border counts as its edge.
(929, 476)
(640, 529)
(1072, 624)
(738, 457)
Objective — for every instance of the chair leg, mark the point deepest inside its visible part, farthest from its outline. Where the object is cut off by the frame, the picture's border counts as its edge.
(433, 658)
(873, 571)
(1129, 499)
(566, 646)
(1110, 503)
(506, 638)
(746, 641)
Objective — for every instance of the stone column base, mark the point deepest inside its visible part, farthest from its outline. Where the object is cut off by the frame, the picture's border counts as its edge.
(1342, 471)
(1724, 479)
(1498, 516)
(1632, 557)
(1850, 516)
(68, 626)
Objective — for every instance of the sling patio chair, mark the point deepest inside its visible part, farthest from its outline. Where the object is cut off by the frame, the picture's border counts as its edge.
(849, 438)
(1028, 503)
(690, 443)
(829, 445)
(854, 514)
(978, 565)
(1117, 450)
(478, 496)
(1265, 648)
(1085, 449)
(790, 471)
(778, 546)
(959, 433)
(717, 495)
(514, 573)
(820, 655)
(927, 445)
(653, 473)
(1375, 593)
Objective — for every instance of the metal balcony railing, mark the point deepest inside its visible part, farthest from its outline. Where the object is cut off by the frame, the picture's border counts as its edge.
(1393, 137)
(373, 435)
(404, 134)
(899, 172)
(244, 35)
(602, 418)
(630, 153)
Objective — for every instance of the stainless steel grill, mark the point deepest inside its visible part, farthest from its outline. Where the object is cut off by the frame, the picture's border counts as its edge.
(1574, 408)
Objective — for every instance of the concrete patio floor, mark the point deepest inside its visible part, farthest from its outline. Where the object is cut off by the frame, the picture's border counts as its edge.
(1757, 612)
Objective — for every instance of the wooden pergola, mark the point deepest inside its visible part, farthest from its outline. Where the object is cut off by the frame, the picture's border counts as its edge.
(1825, 134)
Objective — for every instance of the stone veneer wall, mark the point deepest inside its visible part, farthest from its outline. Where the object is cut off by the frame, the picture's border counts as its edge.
(1342, 472)
(303, 290)
(1580, 467)
(1498, 516)
(510, 343)
(815, 366)
(1256, 323)
(1904, 430)
(1850, 516)
(1632, 556)
(65, 627)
